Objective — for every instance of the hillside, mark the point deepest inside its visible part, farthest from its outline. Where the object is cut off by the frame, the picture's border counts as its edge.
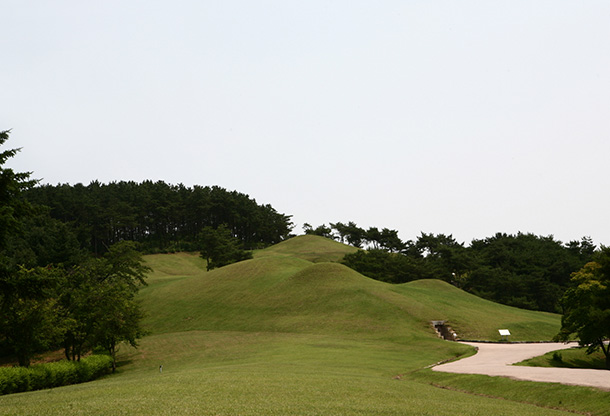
(283, 289)
(287, 333)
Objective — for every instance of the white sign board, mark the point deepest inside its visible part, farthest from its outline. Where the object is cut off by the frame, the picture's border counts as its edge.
(504, 332)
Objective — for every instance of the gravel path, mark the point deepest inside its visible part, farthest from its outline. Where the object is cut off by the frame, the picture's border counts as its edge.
(496, 360)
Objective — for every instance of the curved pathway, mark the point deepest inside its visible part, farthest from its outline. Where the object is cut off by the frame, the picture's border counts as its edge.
(496, 360)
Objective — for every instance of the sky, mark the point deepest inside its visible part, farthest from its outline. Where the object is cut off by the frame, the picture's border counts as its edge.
(457, 117)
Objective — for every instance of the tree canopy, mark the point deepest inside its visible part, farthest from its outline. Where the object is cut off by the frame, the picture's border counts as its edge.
(586, 306)
(160, 216)
(219, 247)
(97, 300)
(12, 185)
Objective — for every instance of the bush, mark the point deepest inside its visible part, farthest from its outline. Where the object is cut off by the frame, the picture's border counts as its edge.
(61, 373)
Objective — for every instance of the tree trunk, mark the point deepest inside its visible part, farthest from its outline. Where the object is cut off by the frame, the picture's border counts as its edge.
(112, 351)
(606, 350)
(23, 359)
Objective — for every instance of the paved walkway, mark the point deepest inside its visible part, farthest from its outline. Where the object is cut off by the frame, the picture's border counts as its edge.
(496, 360)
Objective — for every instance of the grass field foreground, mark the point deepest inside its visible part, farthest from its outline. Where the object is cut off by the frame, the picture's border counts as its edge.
(229, 373)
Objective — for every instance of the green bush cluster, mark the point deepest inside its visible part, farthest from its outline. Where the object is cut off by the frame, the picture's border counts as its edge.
(61, 373)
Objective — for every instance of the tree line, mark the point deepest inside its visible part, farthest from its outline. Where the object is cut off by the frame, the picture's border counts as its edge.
(522, 270)
(160, 216)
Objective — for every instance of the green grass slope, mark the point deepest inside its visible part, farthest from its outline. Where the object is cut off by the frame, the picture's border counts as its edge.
(289, 334)
(279, 292)
(169, 267)
(474, 318)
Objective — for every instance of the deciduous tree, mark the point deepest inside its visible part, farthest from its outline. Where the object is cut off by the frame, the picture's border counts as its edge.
(220, 248)
(321, 230)
(99, 301)
(587, 306)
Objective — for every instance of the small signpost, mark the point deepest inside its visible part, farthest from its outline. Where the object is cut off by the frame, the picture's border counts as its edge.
(504, 333)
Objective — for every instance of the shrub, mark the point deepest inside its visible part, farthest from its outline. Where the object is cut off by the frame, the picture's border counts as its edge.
(13, 380)
(61, 373)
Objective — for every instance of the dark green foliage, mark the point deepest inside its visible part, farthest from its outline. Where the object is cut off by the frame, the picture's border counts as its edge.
(30, 316)
(389, 240)
(382, 265)
(45, 376)
(98, 300)
(525, 270)
(80, 307)
(160, 216)
(351, 234)
(442, 257)
(354, 235)
(220, 248)
(586, 306)
(40, 240)
(321, 230)
(123, 262)
(12, 185)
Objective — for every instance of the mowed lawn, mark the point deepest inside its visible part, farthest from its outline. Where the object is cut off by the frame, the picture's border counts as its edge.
(291, 333)
(232, 373)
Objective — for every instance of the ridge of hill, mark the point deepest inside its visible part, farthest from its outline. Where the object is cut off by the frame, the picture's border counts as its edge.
(309, 247)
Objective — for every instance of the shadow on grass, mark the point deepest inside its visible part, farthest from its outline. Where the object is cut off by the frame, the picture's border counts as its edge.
(593, 363)
(572, 358)
(123, 363)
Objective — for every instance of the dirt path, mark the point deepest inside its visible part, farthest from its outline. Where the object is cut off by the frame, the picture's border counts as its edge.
(496, 360)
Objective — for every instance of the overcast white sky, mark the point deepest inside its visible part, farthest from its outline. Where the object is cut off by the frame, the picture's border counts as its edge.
(457, 117)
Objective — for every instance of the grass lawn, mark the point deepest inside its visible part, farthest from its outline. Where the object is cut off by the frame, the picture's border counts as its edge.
(474, 318)
(231, 373)
(582, 400)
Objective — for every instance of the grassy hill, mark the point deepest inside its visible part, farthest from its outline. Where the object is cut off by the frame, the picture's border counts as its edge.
(280, 292)
(292, 332)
